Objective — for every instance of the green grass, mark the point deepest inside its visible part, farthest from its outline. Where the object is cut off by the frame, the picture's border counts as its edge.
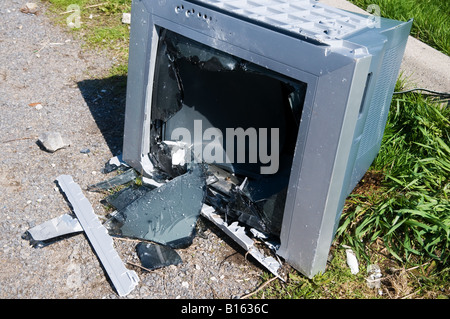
(431, 18)
(336, 283)
(410, 210)
(101, 25)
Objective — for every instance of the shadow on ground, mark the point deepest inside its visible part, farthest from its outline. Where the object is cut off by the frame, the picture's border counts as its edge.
(106, 100)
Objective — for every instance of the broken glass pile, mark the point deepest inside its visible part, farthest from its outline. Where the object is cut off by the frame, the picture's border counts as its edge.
(165, 215)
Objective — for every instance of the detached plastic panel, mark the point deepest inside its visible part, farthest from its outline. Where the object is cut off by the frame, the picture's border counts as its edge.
(124, 280)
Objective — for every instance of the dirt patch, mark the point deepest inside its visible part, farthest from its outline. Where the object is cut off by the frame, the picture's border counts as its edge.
(371, 182)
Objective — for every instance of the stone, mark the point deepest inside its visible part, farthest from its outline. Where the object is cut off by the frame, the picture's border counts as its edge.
(53, 141)
(126, 18)
(30, 7)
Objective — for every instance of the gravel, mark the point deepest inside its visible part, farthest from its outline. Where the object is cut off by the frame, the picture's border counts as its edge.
(48, 82)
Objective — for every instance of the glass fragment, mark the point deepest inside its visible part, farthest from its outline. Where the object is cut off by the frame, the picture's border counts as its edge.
(126, 196)
(153, 256)
(166, 215)
(121, 179)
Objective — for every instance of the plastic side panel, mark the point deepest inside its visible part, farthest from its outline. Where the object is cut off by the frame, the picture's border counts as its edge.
(310, 215)
(380, 101)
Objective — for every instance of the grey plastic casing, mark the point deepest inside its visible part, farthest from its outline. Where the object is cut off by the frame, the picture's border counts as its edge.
(350, 63)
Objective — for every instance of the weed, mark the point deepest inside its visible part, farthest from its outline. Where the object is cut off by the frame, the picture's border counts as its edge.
(411, 209)
(101, 26)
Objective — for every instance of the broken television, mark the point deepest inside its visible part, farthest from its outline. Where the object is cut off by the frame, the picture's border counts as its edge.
(282, 121)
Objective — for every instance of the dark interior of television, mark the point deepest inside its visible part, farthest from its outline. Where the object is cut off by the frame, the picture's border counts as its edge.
(193, 81)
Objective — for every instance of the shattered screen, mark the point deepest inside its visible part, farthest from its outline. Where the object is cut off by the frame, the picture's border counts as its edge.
(200, 94)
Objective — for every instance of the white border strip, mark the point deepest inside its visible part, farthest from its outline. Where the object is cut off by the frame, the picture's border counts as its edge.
(124, 280)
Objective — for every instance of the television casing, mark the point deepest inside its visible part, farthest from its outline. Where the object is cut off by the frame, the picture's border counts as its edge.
(350, 63)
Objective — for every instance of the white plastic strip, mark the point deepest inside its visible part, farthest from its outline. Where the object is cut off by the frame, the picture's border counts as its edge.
(237, 233)
(58, 226)
(124, 280)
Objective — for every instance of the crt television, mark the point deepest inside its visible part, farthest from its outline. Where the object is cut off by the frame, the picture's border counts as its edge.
(306, 83)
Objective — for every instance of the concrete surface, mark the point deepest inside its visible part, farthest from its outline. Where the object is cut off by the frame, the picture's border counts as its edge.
(422, 65)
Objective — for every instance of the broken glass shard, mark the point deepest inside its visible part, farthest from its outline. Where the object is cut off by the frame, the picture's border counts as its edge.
(121, 179)
(52, 231)
(198, 54)
(245, 211)
(166, 215)
(171, 157)
(153, 256)
(168, 86)
(126, 196)
(115, 163)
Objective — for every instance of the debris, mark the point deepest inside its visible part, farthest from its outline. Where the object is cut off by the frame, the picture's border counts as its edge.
(124, 280)
(151, 182)
(352, 262)
(115, 163)
(126, 196)
(166, 215)
(224, 181)
(52, 230)
(237, 233)
(30, 7)
(53, 141)
(37, 105)
(121, 179)
(153, 256)
(171, 158)
(126, 18)
(245, 211)
(374, 278)
(85, 150)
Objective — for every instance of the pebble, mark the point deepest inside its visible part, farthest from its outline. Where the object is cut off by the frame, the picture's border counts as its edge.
(53, 141)
(126, 18)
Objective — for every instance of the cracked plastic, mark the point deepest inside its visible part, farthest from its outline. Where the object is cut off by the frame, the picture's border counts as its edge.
(52, 231)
